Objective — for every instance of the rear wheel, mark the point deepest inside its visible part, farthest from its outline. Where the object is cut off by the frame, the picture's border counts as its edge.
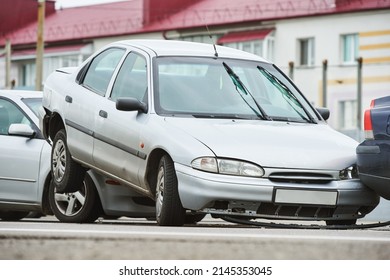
(341, 222)
(82, 206)
(67, 174)
(169, 211)
(13, 215)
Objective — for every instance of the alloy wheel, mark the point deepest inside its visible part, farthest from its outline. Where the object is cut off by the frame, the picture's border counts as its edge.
(160, 191)
(59, 160)
(70, 204)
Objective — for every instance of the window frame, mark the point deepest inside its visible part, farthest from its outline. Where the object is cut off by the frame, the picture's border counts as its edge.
(81, 75)
(123, 61)
(309, 56)
(353, 50)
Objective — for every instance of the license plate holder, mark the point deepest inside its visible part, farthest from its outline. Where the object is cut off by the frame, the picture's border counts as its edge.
(307, 197)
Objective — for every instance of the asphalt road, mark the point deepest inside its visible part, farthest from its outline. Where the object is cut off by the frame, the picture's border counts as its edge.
(125, 238)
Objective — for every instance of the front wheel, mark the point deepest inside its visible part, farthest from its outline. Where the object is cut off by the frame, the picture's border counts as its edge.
(169, 211)
(67, 174)
(82, 206)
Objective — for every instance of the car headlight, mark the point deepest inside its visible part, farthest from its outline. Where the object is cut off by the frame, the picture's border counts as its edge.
(227, 167)
(350, 172)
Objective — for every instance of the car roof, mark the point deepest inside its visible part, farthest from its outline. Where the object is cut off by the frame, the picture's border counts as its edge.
(183, 48)
(20, 94)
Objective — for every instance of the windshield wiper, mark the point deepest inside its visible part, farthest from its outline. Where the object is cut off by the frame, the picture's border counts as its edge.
(218, 116)
(239, 84)
(287, 93)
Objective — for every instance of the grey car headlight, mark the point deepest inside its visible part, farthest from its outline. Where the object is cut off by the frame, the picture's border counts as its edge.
(227, 167)
(350, 172)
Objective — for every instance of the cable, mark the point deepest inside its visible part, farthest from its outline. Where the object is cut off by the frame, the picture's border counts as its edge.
(299, 226)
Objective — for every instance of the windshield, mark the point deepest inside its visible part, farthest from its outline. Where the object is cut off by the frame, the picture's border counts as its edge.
(227, 88)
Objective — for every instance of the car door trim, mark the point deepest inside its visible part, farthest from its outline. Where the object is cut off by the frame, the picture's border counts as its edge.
(79, 127)
(18, 179)
(106, 140)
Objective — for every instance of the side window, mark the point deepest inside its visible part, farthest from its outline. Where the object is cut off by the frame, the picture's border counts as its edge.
(10, 114)
(101, 69)
(132, 79)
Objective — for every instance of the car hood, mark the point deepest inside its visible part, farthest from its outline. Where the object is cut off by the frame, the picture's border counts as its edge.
(273, 144)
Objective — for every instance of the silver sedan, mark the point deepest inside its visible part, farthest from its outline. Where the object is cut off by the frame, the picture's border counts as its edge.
(201, 129)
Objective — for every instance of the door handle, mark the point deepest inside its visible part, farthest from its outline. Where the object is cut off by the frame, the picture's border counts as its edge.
(103, 114)
(68, 99)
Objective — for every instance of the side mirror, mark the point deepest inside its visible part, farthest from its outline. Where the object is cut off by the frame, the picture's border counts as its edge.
(324, 112)
(20, 129)
(131, 104)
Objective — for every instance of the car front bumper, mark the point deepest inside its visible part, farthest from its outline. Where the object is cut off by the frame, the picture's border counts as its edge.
(262, 197)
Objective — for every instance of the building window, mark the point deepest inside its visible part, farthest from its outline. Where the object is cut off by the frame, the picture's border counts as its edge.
(263, 48)
(348, 113)
(201, 39)
(306, 52)
(350, 48)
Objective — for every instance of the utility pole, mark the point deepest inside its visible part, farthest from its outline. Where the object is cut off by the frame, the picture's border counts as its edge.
(291, 70)
(324, 82)
(359, 94)
(8, 64)
(40, 45)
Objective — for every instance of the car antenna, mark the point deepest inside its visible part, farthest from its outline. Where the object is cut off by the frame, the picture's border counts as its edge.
(212, 40)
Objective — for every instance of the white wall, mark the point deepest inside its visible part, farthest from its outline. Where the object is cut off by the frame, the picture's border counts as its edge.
(327, 31)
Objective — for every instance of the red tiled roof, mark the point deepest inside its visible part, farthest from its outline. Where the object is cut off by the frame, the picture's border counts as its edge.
(85, 22)
(123, 18)
(221, 12)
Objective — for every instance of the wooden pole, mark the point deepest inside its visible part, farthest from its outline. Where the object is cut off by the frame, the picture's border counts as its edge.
(40, 45)
(8, 64)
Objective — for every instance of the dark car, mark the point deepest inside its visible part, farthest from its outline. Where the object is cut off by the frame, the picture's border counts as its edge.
(373, 155)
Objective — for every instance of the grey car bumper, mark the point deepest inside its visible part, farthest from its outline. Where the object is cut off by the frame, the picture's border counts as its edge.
(242, 195)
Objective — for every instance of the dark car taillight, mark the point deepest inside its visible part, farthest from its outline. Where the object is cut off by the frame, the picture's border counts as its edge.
(368, 132)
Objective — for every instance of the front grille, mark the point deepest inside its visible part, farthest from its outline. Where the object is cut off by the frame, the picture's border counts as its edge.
(300, 177)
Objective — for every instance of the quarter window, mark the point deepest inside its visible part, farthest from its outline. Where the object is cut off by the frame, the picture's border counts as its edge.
(100, 71)
(350, 48)
(306, 52)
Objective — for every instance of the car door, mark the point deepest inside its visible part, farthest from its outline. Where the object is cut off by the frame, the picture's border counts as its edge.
(19, 157)
(117, 146)
(94, 80)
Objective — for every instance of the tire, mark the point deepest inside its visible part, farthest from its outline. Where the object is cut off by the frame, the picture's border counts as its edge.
(82, 206)
(340, 222)
(193, 219)
(66, 173)
(13, 215)
(169, 211)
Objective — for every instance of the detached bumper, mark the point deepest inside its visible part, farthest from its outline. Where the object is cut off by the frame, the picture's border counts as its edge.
(201, 190)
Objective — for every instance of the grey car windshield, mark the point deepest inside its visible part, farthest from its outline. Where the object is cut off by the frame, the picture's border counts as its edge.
(227, 88)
